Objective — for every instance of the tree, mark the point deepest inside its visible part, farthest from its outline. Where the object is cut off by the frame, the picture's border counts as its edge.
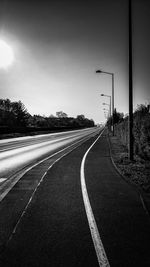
(61, 114)
(13, 114)
(118, 117)
(20, 113)
(80, 117)
(84, 122)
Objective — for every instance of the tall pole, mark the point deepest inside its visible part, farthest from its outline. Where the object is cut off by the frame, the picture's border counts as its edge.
(110, 113)
(130, 84)
(113, 103)
(112, 74)
(110, 107)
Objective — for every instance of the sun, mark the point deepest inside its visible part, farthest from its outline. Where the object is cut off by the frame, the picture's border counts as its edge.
(6, 55)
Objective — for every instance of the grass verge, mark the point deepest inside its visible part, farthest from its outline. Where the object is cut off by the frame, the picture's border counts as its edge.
(136, 172)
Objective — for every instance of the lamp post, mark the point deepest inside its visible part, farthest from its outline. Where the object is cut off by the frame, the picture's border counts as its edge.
(108, 116)
(109, 108)
(112, 75)
(131, 139)
(109, 102)
(106, 112)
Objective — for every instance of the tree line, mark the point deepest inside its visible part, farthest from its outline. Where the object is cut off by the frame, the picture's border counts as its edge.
(14, 116)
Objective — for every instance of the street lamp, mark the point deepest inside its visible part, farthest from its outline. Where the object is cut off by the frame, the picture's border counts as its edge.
(107, 105)
(131, 138)
(106, 111)
(108, 114)
(112, 74)
(109, 102)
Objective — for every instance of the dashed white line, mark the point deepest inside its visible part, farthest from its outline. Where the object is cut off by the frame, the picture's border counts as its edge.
(99, 248)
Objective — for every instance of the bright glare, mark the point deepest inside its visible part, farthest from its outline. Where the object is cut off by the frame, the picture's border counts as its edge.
(6, 55)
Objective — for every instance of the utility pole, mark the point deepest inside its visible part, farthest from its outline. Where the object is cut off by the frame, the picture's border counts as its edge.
(113, 103)
(131, 138)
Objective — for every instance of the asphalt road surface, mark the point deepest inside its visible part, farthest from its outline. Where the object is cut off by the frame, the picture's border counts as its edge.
(74, 209)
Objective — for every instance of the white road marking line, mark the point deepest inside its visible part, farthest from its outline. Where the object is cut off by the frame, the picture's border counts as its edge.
(99, 248)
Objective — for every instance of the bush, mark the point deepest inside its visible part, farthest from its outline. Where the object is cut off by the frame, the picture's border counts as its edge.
(141, 131)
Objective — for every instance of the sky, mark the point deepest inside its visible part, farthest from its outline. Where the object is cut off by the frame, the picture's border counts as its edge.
(58, 46)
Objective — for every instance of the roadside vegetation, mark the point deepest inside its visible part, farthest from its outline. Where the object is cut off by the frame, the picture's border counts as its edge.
(137, 171)
(15, 120)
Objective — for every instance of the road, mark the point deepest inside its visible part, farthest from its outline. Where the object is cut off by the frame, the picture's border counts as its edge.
(19, 152)
(71, 209)
(17, 155)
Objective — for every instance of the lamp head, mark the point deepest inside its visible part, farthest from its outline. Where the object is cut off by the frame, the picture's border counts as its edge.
(98, 71)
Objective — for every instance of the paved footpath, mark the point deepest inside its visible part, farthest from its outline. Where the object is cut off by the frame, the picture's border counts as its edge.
(54, 230)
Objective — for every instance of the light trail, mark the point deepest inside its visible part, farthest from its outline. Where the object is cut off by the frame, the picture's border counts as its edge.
(15, 161)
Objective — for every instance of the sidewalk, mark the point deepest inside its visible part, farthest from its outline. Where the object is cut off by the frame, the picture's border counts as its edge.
(123, 224)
